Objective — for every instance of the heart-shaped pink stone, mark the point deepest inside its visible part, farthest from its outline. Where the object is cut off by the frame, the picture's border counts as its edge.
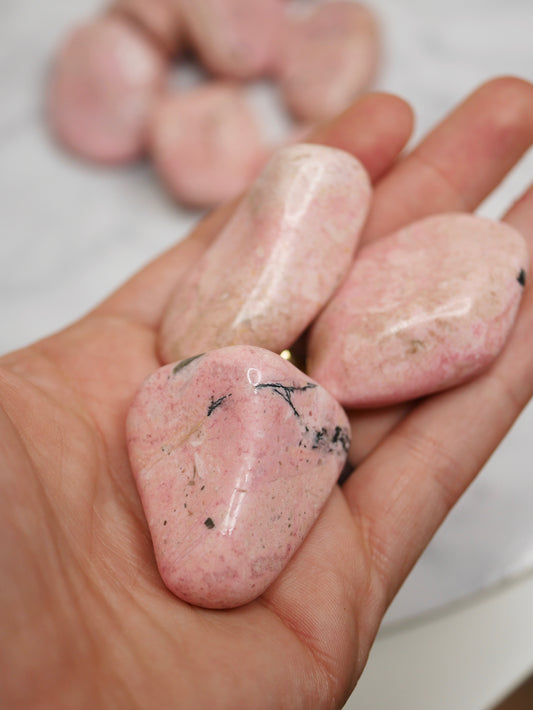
(234, 453)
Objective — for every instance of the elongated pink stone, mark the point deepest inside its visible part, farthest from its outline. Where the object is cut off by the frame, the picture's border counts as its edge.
(237, 39)
(329, 54)
(424, 309)
(206, 143)
(234, 454)
(277, 261)
(103, 85)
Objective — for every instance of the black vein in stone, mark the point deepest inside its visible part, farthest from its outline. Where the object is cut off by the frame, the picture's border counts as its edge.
(216, 403)
(342, 437)
(286, 391)
(184, 363)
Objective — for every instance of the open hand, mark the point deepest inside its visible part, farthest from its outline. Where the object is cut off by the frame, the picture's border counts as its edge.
(86, 619)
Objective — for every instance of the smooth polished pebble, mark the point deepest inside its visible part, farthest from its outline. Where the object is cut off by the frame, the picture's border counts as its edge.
(160, 18)
(102, 88)
(237, 39)
(330, 53)
(278, 259)
(206, 143)
(426, 308)
(234, 454)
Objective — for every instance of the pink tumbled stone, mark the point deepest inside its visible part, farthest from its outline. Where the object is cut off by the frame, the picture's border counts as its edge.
(102, 89)
(234, 454)
(160, 18)
(238, 39)
(329, 55)
(426, 308)
(278, 259)
(206, 143)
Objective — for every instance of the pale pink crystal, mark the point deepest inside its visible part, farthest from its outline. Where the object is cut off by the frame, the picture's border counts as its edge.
(329, 55)
(234, 454)
(424, 309)
(277, 261)
(237, 39)
(206, 143)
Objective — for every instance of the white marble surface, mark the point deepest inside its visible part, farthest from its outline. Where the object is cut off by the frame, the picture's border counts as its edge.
(70, 233)
(469, 658)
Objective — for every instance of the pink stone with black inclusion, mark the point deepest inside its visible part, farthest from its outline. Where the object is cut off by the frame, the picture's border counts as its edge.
(234, 454)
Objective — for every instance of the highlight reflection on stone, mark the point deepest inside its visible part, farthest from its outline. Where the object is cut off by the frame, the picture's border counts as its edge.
(234, 453)
(277, 261)
(424, 309)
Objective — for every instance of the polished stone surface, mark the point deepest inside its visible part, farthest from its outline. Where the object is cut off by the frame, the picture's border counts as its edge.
(329, 55)
(277, 261)
(207, 144)
(103, 85)
(234, 453)
(426, 308)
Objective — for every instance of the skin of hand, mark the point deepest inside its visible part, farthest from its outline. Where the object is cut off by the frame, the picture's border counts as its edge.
(86, 620)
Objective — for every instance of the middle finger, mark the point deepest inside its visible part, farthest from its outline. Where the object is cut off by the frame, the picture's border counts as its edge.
(454, 168)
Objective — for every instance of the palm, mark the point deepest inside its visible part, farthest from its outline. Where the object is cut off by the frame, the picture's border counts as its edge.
(83, 558)
(91, 528)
